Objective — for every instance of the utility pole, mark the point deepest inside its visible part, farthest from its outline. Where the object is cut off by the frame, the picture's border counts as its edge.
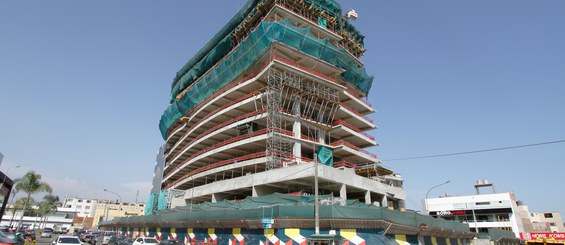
(316, 205)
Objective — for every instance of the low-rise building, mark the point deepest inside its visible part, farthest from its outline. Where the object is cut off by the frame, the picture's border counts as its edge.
(62, 218)
(84, 207)
(108, 210)
(549, 221)
(494, 210)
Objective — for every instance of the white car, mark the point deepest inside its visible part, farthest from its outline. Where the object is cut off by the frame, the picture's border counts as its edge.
(46, 234)
(145, 241)
(66, 240)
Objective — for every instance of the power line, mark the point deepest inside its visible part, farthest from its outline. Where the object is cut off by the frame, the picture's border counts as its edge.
(477, 151)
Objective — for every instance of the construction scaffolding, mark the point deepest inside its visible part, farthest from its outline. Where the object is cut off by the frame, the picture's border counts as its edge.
(306, 101)
(278, 149)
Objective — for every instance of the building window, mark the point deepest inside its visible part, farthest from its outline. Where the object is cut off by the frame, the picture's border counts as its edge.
(548, 215)
(79, 200)
(482, 203)
(87, 207)
(79, 207)
(68, 206)
(552, 224)
(87, 201)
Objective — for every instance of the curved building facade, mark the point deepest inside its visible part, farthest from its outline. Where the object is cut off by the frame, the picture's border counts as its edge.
(272, 102)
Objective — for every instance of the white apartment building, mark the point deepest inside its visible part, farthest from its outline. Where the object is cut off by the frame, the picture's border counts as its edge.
(498, 210)
(82, 206)
(494, 210)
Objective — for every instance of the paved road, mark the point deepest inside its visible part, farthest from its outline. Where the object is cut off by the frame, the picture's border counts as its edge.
(45, 241)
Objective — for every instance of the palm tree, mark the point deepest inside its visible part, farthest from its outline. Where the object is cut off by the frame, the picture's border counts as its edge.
(19, 205)
(31, 184)
(47, 206)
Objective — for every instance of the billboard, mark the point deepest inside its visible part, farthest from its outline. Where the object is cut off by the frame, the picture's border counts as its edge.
(541, 235)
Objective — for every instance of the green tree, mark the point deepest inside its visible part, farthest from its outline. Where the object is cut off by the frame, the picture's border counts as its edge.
(31, 184)
(19, 205)
(47, 206)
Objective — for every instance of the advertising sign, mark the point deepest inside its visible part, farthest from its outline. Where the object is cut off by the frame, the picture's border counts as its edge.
(541, 235)
(451, 212)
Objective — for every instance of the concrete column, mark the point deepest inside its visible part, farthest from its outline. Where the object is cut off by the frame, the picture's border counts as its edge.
(384, 201)
(217, 197)
(368, 197)
(343, 192)
(259, 191)
(402, 205)
(322, 136)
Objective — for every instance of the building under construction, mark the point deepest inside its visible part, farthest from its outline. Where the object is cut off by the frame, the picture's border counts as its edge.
(272, 104)
(270, 96)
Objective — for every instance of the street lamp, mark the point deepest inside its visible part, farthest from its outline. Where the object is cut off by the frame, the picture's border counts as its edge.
(120, 199)
(426, 200)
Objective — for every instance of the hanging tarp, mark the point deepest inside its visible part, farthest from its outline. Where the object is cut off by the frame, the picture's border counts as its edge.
(162, 200)
(149, 205)
(326, 156)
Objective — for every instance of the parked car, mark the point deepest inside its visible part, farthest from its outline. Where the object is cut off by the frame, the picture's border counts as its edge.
(66, 240)
(96, 236)
(145, 241)
(105, 237)
(91, 236)
(169, 242)
(82, 234)
(9, 235)
(116, 239)
(127, 241)
(7, 241)
(46, 234)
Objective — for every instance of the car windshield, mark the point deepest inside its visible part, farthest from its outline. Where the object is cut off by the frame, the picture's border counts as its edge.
(69, 240)
(151, 240)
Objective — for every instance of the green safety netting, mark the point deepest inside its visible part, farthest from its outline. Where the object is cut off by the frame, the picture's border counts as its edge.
(149, 205)
(162, 200)
(329, 6)
(282, 205)
(325, 156)
(220, 45)
(250, 50)
(212, 52)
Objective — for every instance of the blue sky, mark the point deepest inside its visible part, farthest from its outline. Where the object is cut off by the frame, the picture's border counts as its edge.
(83, 85)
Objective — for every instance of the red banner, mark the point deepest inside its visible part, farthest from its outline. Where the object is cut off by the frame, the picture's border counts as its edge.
(540, 235)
